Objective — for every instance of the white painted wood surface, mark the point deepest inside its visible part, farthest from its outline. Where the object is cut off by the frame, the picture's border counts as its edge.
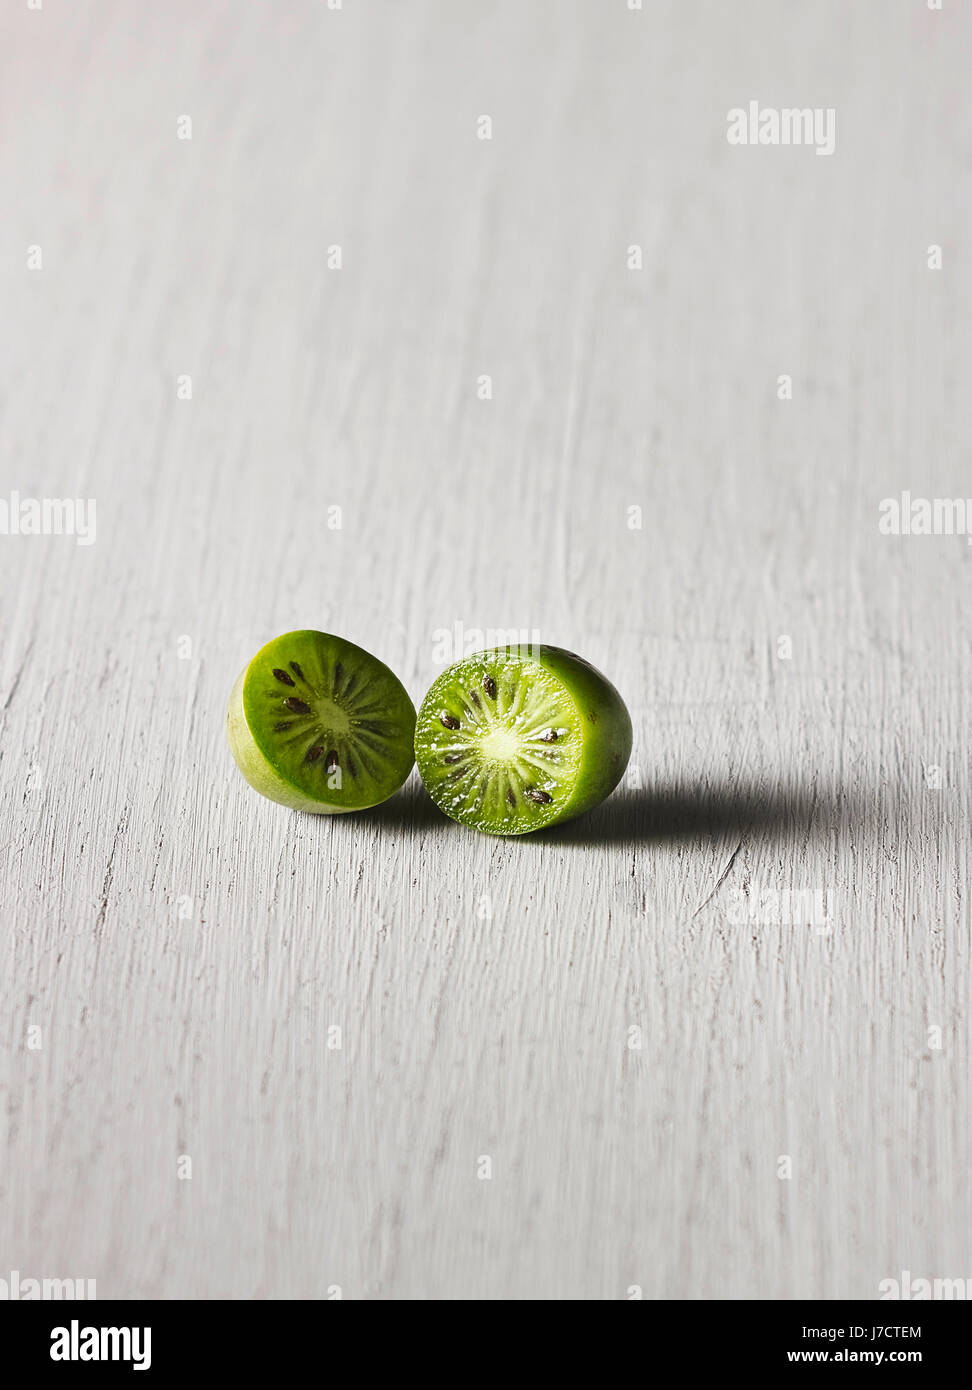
(206, 1034)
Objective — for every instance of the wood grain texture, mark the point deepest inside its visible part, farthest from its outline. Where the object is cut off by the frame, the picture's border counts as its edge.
(184, 948)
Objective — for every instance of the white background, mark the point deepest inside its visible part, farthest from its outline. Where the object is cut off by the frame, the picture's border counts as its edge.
(466, 1035)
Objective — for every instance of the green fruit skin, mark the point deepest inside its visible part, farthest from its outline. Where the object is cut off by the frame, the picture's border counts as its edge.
(606, 726)
(258, 769)
(605, 730)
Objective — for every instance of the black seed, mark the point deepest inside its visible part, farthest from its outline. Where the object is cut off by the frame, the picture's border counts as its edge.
(541, 798)
(313, 754)
(296, 705)
(449, 720)
(475, 699)
(284, 724)
(352, 770)
(331, 761)
(455, 776)
(454, 757)
(282, 676)
(549, 736)
(510, 797)
(338, 673)
(296, 670)
(489, 685)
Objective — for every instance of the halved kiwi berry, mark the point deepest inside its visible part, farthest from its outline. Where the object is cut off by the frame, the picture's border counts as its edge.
(320, 725)
(518, 738)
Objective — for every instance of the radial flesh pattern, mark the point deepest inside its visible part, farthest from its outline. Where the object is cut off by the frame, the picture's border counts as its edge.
(319, 724)
(512, 740)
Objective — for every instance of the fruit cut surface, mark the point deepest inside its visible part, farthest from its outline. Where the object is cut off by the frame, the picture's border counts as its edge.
(320, 724)
(515, 739)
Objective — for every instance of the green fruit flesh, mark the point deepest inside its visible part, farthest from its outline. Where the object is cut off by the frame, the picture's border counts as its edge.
(320, 725)
(515, 739)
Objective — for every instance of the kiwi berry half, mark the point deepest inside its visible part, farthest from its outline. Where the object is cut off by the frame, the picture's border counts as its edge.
(318, 724)
(518, 738)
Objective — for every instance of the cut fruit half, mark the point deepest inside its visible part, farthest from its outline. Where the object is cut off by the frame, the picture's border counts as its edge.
(320, 725)
(518, 738)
